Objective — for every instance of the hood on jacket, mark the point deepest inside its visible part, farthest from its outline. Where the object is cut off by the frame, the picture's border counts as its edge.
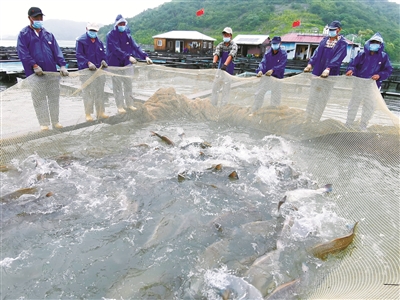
(376, 37)
(120, 19)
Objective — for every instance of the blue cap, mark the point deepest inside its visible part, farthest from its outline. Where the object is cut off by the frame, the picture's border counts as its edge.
(335, 25)
(276, 40)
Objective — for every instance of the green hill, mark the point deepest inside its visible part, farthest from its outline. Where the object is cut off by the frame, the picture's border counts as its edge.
(359, 18)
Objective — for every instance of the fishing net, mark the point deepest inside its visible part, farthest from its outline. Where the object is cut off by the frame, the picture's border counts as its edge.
(337, 117)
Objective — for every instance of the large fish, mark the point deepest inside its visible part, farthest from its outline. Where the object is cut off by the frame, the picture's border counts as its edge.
(18, 193)
(298, 194)
(285, 291)
(260, 274)
(164, 138)
(238, 288)
(323, 250)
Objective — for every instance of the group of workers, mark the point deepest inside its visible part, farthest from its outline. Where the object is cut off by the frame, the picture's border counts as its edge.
(326, 60)
(39, 52)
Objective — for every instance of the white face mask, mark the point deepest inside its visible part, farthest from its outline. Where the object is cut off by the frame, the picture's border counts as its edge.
(332, 33)
(275, 46)
(227, 39)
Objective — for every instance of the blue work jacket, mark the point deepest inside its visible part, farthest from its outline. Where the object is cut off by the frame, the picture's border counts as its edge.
(42, 50)
(275, 61)
(365, 64)
(86, 51)
(325, 57)
(120, 46)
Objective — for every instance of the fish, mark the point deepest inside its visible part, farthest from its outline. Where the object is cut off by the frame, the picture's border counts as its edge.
(4, 168)
(233, 175)
(164, 138)
(260, 273)
(284, 291)
(281, 202)
(202, 145)
(181, 177)
(322, 251)
(303, 193)
(217, 167)
(18, 193)
(239, 288)
(141, 146)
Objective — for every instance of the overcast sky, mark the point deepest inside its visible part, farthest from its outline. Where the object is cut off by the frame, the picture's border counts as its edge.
(14, 14)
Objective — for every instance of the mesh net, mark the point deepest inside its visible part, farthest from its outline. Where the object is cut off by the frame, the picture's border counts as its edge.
(346, 115)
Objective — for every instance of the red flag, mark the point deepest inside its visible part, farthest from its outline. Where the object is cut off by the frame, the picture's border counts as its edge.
(296, 23)
(200, 12)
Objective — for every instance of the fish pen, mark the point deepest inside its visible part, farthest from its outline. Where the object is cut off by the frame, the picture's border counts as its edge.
(212, 187)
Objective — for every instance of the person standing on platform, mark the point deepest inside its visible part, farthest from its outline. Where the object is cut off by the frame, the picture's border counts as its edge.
(371, 63)
(273, 64)
(121, 52)
(39, 52)
(225, 52)
(91, 54)
(326, 61)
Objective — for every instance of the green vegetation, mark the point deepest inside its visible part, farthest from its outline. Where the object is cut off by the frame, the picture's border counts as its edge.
(359, 18)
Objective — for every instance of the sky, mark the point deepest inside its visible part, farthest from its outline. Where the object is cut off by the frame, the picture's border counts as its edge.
(14, 14)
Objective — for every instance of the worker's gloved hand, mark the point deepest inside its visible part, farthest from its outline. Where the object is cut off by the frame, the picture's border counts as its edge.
(214, 65)
(259, 74)
(104, 64)
(148, 60)
(92, 66)
(132, 60)
(308, 68)
(269, 72)
(375, 77)
(38, 70)
(325, 73)
(223, 67)
(63, 71)
(349, 73)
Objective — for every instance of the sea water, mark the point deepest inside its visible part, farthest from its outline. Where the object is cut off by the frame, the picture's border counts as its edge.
(111, 217)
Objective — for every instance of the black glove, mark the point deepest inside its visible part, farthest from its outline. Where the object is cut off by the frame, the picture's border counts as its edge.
(214, 65)
(223, 67)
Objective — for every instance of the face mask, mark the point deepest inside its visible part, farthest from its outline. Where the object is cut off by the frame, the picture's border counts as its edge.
(226, 39)
(92, 34)
(332, 33)
(374, 47)
(121, 28)
(275, 46)
(37, 24)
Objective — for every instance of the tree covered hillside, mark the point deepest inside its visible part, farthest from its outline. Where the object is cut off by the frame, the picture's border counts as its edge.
(359, 18)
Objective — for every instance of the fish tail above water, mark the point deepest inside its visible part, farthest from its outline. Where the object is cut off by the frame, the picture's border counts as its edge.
(234, 175)
(156, 134)
(283, 200)
(328, 187)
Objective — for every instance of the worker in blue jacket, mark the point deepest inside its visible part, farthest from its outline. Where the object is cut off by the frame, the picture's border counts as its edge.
(90, 55)
(273, 64)
(121, 52)
(326, 61)
(371, 63)
(39, 52)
